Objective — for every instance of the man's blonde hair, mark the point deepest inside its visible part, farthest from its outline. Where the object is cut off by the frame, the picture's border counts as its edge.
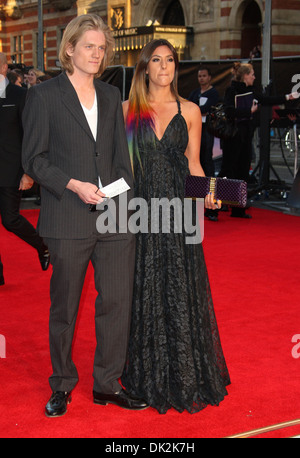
(73, 33)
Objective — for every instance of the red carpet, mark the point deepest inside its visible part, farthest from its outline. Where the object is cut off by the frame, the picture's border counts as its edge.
(254, 272)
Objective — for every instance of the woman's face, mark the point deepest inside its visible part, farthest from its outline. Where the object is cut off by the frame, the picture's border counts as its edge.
(31, 78)
(249, 78)
(161, 67)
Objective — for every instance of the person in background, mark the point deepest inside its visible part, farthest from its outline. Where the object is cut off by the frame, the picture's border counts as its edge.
(255, 53)
(175, 359)
(20, 73)
(14, 78)
(242, 101)
(32, 77)
(206, 96)
(13, 180)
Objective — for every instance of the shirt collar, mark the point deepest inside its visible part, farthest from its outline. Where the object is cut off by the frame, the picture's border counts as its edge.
(3, 84)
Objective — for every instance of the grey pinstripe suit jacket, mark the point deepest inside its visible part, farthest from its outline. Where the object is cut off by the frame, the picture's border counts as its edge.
(58, 145)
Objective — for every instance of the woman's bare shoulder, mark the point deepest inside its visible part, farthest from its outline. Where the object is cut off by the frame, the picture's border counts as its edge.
(190, 110)
(190, 107)
(125, 106)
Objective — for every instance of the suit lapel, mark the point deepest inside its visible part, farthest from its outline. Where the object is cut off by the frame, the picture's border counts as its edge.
(103, 102)
(7, 94)
(71, 101)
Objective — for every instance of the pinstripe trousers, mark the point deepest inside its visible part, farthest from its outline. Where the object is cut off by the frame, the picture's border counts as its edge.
(113, 262)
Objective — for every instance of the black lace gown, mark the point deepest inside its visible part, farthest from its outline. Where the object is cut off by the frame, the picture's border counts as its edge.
(175, 358)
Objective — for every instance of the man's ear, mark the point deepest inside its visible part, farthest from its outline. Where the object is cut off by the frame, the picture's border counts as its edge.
(69, 49)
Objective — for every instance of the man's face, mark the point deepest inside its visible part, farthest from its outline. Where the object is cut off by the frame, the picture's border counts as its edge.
(203, 78)
(3, 67)
(3, 72)
(88, 53)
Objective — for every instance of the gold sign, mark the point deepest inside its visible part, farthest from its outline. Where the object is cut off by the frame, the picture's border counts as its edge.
(117, 18)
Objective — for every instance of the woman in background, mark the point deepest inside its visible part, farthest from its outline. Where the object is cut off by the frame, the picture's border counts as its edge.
(242, 102)
(32, 77)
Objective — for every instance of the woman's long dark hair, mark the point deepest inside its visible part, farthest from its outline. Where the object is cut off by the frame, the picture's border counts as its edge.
(139, 109)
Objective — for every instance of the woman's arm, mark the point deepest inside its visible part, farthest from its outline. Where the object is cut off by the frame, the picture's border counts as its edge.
(193, 119)
(192, 115)
(125, 106)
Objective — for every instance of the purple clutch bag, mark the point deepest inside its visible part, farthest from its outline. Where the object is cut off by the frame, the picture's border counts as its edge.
(230, 192)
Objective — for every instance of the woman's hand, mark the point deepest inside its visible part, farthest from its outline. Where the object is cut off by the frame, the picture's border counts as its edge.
(292, 96)
(292, 117)
(211, 203)
(254, 106)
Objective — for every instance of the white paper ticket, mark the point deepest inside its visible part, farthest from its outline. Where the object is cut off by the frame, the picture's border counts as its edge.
(115, 188)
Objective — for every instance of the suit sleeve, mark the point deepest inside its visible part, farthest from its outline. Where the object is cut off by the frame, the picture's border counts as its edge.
(270, 100)
(35, 148)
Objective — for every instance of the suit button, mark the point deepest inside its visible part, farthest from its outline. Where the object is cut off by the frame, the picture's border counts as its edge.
(97, 154)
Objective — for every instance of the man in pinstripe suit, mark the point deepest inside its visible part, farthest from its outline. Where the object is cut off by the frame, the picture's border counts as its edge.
(74, 143)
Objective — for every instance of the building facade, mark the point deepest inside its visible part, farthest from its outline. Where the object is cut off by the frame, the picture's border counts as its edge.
(199, 29)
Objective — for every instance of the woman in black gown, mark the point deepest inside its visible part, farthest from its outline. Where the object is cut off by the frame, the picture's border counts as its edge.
(175, 358)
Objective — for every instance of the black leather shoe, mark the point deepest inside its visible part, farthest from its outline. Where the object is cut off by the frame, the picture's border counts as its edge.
(121, 399)
(57, 404)
(44, 259)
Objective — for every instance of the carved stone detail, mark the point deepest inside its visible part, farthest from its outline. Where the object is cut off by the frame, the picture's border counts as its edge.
(62, 5)
(12, 9)
(205, 10)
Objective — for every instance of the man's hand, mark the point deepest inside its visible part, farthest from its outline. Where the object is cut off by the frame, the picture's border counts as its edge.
(87, 192)
(26, 183)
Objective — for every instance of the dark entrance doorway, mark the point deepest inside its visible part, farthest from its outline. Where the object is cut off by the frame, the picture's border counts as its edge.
(174, 14)
(251, 29)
